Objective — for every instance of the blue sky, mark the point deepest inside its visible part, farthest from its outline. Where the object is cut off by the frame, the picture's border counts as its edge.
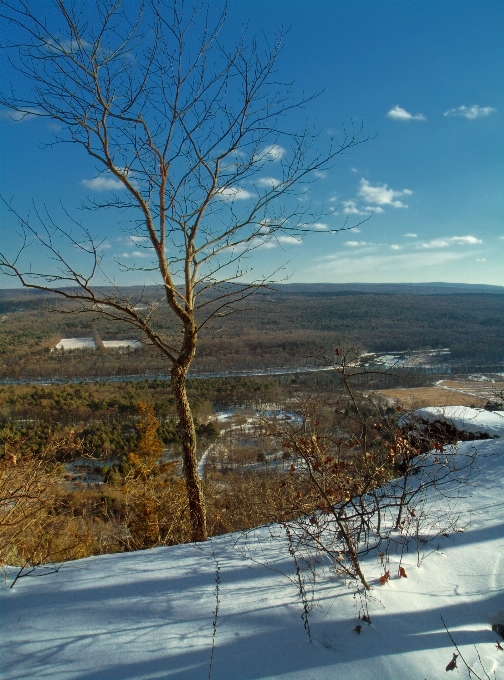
(425, 80)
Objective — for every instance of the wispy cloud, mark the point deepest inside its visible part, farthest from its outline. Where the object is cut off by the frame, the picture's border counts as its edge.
(393, 267)
(394, 246)
(233, 194)
(411, 235)
(103, 183)
(356, 244)
(19, 116)
(470, 112)
(381, 194)
(398, 113)
(450, 240)
(135, 253)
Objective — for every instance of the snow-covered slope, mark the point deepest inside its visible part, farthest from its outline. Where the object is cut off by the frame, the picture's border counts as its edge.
(150, 614)
(463, 418)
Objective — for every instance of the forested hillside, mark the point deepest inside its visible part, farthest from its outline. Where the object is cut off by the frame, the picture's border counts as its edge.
(276, 328)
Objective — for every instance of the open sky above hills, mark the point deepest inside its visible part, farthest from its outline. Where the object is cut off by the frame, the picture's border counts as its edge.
(423, 79)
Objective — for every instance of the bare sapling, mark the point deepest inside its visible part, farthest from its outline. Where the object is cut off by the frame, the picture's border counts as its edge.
(187, 133)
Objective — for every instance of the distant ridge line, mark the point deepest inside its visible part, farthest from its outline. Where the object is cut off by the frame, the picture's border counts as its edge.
(427, 288)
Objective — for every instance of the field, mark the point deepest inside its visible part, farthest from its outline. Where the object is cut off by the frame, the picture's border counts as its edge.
(469, 392)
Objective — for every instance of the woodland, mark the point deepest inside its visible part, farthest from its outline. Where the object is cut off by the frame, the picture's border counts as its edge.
(284, 327)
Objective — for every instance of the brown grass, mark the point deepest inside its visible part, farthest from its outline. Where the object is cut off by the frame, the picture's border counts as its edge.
(419, 397)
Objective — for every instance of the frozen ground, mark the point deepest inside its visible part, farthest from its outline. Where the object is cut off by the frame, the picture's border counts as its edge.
(151, 614)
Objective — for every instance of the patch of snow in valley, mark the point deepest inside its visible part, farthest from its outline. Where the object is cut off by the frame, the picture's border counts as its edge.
(76, 343)
(89, 343)
(122, 344)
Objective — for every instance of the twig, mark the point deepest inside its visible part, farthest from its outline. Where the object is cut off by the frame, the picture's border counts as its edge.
(216, 612)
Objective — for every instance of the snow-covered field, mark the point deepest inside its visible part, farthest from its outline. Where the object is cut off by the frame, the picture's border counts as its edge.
(151, 614)
(122, 344)
(76, 343)
(89, 343)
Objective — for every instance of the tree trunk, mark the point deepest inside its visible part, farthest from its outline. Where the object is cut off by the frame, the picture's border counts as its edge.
(197, 508)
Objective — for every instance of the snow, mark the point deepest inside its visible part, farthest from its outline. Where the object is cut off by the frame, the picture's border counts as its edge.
(463, 418)
(76, 343)
(118, 344)
(89, 343)
(150, 614)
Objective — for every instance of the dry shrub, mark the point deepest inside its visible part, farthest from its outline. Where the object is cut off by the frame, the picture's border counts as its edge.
(155, 495)
(241, 500)
(33, 526)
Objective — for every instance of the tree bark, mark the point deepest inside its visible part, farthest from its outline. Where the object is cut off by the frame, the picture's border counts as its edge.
(195, 496)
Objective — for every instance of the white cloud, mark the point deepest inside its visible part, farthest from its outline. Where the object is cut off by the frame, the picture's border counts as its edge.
(374, 208)
(481, 259)
(381, 194)
(233, 194)
(19, 116)
(353, 170)
(138, 239)
(470, 112)
(355, 229)
(293, 240)
(355, 244)
(411, 235)
(350, 208)
(450, 240)
(398, 113)
(103, 183)
(274, 152)
(320, 174)
(395, 247)
(269, 182)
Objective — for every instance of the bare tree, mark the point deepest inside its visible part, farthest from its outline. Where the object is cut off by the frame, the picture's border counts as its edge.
(186, 132)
